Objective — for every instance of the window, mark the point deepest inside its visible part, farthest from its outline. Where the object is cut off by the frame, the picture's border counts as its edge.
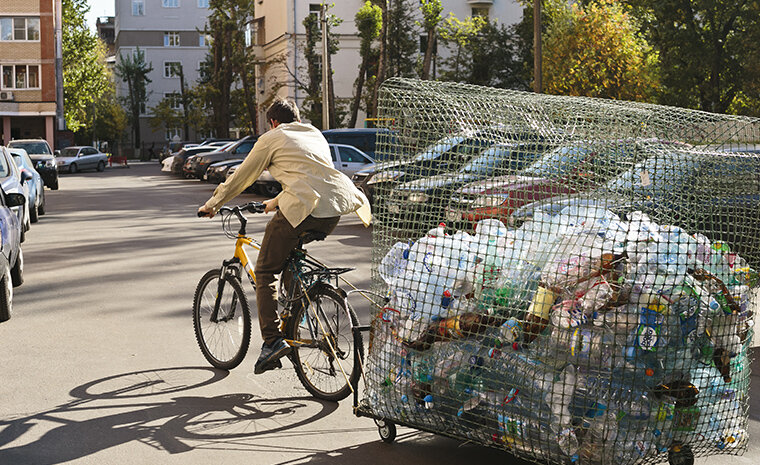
(202, 3)
(171, 133)
(171, 69)
(483, 11)
(350, 155)
(175, 100)
(171, 39)
(170, 3)
(20, 77)
(315, 9)
(138, 7)
(19, 28)
(203, 40)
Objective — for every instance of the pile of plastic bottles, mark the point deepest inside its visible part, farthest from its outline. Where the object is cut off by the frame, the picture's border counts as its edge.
(576, 338)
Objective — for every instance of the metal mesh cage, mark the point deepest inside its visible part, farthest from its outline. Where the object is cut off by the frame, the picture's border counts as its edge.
(571, 279)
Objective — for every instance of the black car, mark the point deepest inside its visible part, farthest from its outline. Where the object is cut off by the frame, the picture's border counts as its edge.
(43, 158)
(429, 196)
(217, 172)
(181, 157)
(365, 139)
(196, 167)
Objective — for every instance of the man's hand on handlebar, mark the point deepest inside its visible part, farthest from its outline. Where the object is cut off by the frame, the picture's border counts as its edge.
(270, 205)
(204, 212)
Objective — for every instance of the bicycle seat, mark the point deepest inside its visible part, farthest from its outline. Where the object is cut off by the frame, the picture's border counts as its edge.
(309, 236)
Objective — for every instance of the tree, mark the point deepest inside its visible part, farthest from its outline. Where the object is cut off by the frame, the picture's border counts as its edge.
(312, 108)
(85, 75)
(133, 70)
(459, 35)
(368, 20)
(431, 19)
(403, 39)
(708, 50)
(597, 51)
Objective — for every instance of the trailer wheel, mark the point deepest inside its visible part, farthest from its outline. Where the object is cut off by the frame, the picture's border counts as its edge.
(387, 431)
(680, 454)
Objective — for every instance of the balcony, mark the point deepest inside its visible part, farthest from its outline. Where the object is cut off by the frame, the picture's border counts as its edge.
(480, 2)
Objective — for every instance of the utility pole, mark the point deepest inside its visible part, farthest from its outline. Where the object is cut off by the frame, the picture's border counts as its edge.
(58, 24)
(537, 85)
(325, 80)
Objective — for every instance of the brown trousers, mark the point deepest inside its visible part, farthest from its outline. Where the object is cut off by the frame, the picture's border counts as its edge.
(280, 238)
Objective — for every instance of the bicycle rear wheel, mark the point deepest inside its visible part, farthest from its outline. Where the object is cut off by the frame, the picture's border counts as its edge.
(223, 342)
(317, 368)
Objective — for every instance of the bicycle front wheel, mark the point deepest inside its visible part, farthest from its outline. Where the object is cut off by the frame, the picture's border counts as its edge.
(223, 336)
(324, 344)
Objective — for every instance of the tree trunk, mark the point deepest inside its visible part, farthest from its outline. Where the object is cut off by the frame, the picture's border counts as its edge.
(382, 62)
(183, 96)
(426, 62)
(358, 93)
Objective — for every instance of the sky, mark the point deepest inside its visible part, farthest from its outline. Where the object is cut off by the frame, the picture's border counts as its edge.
(99, 8)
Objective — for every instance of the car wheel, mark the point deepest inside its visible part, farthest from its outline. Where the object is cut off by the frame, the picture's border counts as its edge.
(73, 168)
(33, 214)
(54, 184)
(6, 297)
(270, 190)
(41, 206)
(17, 272)
(101, 166)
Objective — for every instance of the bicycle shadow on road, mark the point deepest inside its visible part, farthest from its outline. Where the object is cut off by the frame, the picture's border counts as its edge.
(98, 418)
(411, 446)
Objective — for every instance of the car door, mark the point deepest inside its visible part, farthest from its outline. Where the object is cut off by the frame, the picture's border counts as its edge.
(86, 158)
(350, 160)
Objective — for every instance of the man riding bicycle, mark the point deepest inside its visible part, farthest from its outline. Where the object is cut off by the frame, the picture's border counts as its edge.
(314, 196)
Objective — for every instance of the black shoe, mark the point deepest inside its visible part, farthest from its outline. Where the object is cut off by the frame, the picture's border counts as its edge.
(271, 355)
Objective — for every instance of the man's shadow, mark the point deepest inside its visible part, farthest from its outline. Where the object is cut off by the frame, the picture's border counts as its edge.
(172, 425)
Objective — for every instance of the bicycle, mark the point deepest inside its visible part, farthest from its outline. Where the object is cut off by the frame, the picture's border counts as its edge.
(315, 316)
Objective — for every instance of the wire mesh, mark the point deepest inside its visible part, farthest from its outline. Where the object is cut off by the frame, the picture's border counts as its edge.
(570, 279)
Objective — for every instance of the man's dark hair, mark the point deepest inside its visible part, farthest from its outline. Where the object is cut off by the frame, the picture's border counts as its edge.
(283, 111)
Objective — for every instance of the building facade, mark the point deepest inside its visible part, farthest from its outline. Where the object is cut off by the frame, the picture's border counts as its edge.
(168, 33)
(27, 70)
(277, 36)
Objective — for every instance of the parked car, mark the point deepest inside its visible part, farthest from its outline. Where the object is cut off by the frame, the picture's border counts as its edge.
(699, 191)
(217, 172)
(448, 154)
(564, 170)
(77, 158)
(43, 158)
(13, 180)
(11, 256)
(35, 187)
(348, 159)
(364, 139)
(179, 158)
(196, 167)
(428, 197)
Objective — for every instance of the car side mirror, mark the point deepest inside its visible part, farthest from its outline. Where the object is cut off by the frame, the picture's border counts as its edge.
(25, 176)
(14, 199)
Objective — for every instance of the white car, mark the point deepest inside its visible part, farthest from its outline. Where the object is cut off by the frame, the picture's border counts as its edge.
(345, 158)
(77, 158)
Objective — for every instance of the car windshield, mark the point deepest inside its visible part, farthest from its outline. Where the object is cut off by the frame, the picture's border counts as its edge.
(435, 150)
(17, 158)
(558, 162)
(37, 148)
(657, 173)
(69, 152)
(501, 157)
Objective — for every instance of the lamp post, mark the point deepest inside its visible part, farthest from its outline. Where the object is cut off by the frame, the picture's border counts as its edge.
(325, 89)
(537, 46)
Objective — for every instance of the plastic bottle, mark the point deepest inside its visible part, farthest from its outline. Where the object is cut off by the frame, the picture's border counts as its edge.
(586, 346)
(456, 327)
(394, 263)
(600, 432)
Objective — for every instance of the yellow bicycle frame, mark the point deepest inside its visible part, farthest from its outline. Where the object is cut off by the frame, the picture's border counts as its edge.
(241, 255)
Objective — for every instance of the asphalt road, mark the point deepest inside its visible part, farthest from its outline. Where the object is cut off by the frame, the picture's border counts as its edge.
(99, 363)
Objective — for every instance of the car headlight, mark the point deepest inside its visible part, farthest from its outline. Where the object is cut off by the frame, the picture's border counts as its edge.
(489, 201)
(385, 176)
(418, 197)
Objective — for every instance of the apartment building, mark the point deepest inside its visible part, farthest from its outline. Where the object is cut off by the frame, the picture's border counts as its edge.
(277, 32)
(168, 32)
(27, 70)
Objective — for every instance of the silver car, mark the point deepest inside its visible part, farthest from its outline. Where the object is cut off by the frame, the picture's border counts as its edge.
(77, 158)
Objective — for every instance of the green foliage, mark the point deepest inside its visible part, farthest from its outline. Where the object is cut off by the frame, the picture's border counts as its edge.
(369, 22)
(85, 76)
(459, 35)
(597, 51)
(403, 39)
(709, 50)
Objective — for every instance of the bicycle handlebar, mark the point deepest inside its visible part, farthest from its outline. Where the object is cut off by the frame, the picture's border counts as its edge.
(251, 207)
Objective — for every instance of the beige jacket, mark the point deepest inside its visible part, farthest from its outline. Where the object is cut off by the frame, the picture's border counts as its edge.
(297, 155)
